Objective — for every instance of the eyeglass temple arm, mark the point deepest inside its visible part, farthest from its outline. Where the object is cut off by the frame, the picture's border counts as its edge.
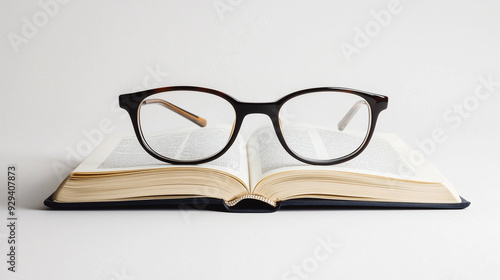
(190, 116)
(348, 117)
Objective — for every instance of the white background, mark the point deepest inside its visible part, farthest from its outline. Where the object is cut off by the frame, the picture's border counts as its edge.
(62, 70)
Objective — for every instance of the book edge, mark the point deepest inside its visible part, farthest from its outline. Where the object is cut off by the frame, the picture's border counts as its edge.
(219, 204)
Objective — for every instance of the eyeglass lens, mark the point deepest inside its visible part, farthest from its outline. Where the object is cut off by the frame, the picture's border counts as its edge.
(186, 125)
(325, 125)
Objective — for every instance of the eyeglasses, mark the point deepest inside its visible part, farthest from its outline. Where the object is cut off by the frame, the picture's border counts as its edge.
(193, 125)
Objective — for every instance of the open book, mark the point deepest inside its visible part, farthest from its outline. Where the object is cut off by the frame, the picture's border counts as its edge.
(253, 176)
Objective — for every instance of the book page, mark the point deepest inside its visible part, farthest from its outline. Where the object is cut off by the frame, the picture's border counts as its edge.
(386, 155)
(123, 152)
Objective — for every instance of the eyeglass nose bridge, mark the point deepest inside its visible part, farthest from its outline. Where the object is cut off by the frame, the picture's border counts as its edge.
(270, 109)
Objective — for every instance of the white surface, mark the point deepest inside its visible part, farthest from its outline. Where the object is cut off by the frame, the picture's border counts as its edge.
(65, 80)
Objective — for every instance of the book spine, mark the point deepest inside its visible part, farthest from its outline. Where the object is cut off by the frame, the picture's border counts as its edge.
(251, 196)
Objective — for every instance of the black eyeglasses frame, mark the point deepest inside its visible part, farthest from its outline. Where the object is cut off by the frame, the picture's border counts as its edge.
(131, 102)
